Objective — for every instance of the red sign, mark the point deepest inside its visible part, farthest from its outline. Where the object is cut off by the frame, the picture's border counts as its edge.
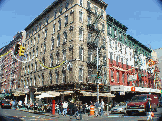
(132, 88)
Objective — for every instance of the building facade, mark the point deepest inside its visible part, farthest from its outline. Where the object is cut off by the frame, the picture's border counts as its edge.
(61, 44)
(10, 66)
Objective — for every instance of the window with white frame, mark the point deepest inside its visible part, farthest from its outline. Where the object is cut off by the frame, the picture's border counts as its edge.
(29, 55)
(33, 51)
(60, 10)
(55, 14)
(31, 42)
(50, 75)
(58, 40)
(57, 77)
(89, 36)
(34, 81)
(88, 5)
(38, 37)
(64, 77)
(81, 53)
(80, 74)
(64, 54)
(42, 79)
(51, 57)
(80, 16)
(52, 45)
(65, 37)
(66, 20)
(103, 27)
(44, 48)
(71, 16)
(30, 81)
(45, 33)
(35, 66)
(81, 2)
(54, 28)
(43, 60)
(37, 51)
(89, 20)
(80, 34)
(34, 40)
(66, 5)
(59, 26)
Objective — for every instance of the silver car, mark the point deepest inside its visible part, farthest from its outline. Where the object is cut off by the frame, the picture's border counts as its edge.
(119, 108)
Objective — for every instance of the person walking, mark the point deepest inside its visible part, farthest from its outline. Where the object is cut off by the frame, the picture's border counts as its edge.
(102, 106)
(60, 107)
(71, 108)
(96, 108)
(84, 108)
(148, 109)
(65, 105)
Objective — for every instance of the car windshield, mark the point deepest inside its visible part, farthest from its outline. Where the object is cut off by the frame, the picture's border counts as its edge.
(139, 98)
(6, 102)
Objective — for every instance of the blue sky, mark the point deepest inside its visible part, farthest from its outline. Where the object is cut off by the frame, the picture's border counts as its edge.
(142, 17)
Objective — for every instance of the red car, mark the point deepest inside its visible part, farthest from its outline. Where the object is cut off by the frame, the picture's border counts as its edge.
(138, 104)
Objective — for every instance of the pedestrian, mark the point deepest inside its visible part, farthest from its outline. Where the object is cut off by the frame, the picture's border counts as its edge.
(96, 108)
(65, 105)
(20, 104)
(84, 108)
(71, 108)
(60, 107)
(102, 106)
(148, 108)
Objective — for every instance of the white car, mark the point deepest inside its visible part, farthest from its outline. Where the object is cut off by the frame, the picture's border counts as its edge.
(120, 108)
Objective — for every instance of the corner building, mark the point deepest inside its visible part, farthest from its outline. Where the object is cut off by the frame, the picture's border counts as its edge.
(65, 31)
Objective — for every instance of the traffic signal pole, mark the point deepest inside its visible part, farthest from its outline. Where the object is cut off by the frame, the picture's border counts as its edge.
(97, 78)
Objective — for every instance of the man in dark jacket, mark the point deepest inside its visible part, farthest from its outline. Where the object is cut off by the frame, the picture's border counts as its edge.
(71, 108)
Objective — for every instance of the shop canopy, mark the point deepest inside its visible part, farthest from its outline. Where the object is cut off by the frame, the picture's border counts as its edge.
(95, 94)
(44, 95)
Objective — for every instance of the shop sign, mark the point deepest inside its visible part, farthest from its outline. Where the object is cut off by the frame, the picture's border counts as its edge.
(127, 88)
(117, 88)
(138, 89)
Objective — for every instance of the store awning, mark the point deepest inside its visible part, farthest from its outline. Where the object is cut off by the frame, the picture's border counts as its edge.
(66, 92)
(44, 95)
(37, 93)
(53, 93)
(95, 94)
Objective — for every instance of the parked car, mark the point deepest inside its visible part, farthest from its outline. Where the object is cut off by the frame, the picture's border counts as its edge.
(160, 102)
(6, 104)
(119, 108)
(138, 104)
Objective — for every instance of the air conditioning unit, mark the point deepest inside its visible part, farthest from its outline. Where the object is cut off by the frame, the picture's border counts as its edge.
(112, 80)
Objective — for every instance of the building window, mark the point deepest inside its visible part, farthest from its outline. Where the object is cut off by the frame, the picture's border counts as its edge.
(35, 66)
(117, 59)
(40, 26)
(123, 77)
(59, 27)
(46, 33)
(54, 14)
(43, 60)
(64, 55)
(51, 57)
(44, 48)
(65, 36)
(104, 60)
(57, 77)
(60, 10)
(72, 16)
(96, 10)
(80, 74)
(47, 18)
(52, 45)
(89, 36)
(31, 42)
(88, 5)
(53, 28)
(42, 79)
(117, 75)
(37, 51)
(111, 57)
(89, 20)
(67, 5)
(33, 51)
(81, 53)
(38, 37)
(58, 40)
(50, 74)
(57, 59)
(80, 16)
(80, 34)
(66, 20)
(89, 55)
(103, 27)
(116, 45)
(81, 2)
(34, 80)
(64, 77)
(30, 81)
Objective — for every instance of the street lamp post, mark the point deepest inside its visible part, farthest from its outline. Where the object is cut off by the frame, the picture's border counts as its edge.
(97, 79)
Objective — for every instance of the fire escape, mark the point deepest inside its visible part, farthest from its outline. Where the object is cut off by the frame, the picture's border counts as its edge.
(94, 35)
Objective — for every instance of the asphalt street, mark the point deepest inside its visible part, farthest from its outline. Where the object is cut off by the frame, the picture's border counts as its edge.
(17, 115)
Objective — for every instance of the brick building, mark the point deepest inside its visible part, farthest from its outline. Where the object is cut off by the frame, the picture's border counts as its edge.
(10, 66)
(67, 30)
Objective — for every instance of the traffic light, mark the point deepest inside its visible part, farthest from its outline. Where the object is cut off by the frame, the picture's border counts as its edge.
(22, 50)
(98, 74)
(17, 47)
